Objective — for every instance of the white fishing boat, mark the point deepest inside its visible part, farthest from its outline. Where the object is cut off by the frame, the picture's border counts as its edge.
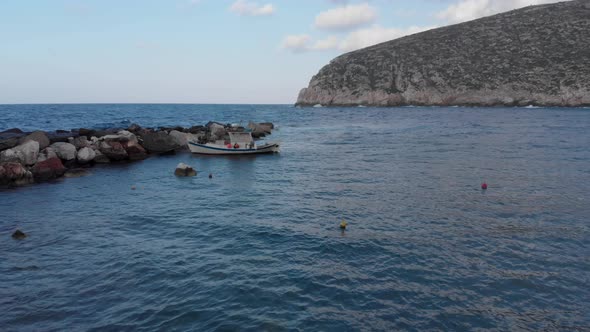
(239, 143)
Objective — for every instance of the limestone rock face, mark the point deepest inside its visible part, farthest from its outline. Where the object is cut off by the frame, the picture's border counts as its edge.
(537, 55)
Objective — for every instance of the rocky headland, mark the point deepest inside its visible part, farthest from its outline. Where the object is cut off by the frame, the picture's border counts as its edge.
(39, 156)
(537, 55)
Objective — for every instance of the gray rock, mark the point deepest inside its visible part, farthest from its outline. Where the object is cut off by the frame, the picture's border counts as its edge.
(11, 156)
(113, 150)
(64, 151)
(80, 142)
(216, 130)
(85, 155)
(101, 158)
(179, 137)
(7, 143)
(14, 174)
(46, 153)
(535, 55)
(185, 170)
(260, 129)
(158, 142)
(25, 153)
(37, 136)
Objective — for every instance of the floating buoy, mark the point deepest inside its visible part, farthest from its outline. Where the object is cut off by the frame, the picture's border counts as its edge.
(210, 175)
(484, 186)
(343, 224)
(133, 187)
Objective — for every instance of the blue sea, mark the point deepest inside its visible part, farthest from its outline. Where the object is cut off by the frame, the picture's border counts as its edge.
(258, 247)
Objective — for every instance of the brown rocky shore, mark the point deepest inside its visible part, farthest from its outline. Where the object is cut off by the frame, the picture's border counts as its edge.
(537, 55)
(33, 157)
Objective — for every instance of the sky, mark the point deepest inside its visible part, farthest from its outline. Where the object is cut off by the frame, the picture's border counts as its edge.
(198, 51)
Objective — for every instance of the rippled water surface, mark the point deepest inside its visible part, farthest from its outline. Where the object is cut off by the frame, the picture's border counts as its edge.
(258, 246)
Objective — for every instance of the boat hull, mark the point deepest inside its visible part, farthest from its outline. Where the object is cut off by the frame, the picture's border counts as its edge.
(217, 150)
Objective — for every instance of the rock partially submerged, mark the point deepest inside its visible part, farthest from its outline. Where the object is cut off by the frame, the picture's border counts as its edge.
(18, 235)
(185, 170)
(49, 169)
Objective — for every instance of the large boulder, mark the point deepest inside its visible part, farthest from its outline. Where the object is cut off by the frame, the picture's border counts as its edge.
(46, 153)
(122, 136)
(135, 152)
(184, 170)
(79, 142)
(101, 158)
(260, 129)
(49, 169)
(7, 143)
(216, 130)
(113, 150)
(37, 136)
(59, 136)
(85, 155)
(25, 153)
(11, 156)
(9, 138)
(65, 151)
(14, 174)
(180, 138)
(158, 142)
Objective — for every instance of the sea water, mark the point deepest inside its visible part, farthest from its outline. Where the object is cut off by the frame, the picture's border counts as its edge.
(258, 246)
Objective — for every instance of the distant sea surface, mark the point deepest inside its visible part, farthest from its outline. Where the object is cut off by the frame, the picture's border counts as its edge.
(258, 246)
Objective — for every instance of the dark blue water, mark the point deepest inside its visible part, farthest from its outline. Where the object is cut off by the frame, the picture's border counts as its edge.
(258, 246)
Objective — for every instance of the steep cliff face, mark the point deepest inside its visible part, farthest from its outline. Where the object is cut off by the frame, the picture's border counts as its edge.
(537, 55)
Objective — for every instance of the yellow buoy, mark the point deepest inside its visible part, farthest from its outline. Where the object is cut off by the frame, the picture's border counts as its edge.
(343, 224)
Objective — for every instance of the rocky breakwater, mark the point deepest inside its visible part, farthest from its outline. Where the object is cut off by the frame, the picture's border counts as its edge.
(537, 55)
(39, 156)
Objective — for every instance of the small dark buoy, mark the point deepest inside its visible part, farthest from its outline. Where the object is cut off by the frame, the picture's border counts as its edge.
(18, 235)
(133, 187)
(484, 186)
(210, 175)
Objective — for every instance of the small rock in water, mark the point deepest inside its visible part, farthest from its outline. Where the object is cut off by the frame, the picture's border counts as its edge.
(184, 170)
(76, 173)
(18, 235)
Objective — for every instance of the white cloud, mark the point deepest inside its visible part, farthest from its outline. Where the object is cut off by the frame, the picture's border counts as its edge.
(246, 8)
(353, 41)
(346, 17)
(466, 10)
(296, 43)
(375, 35)
(327, 44)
